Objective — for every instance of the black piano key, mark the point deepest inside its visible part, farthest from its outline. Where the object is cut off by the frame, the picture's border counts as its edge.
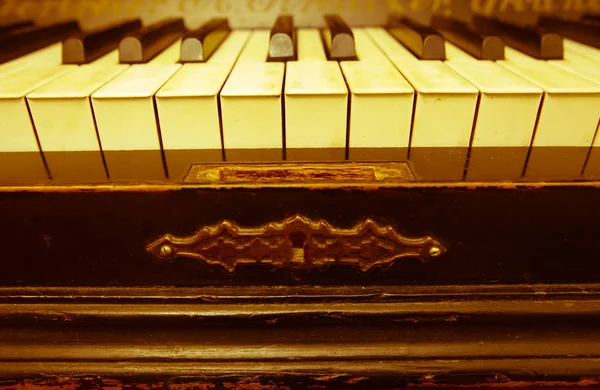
(339, 39)
(89, 46)
(143, 45)
(586, 33)
(9, 27)
(282, 46)
(589, 18)
(483, 47)
(537, 43)
(199, 44)
(29, 39)
(424, 42)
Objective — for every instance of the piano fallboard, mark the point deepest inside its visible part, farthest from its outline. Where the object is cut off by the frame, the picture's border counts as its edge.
(300, 234)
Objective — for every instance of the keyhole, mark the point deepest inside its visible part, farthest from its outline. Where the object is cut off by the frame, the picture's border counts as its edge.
(298, 240)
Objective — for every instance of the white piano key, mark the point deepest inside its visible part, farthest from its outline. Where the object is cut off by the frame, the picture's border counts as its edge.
(111, 58)
(389, 45)
(366, 49)
(506, 117)
(229, 51)
(126, 120)
(576, 49)
(316, 106)
(189, 114)
(256, 48)
(251, 104)
(381, 104)
(589, 71)
(20, 159)
(455, 53)
(567, 120)
(64, 120)
(310, 45)
(49, 56)
(380, 111)
(168, 56)
(443, 114)
(252, 112)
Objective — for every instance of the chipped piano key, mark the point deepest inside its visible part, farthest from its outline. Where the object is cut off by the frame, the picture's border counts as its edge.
(482, 47)
(199, 44)
(21, 162)
(30, 39)
(282, 45)
(338, 39)
(506, 117)
(422, 41)
(62, 113)
(143, 45)
(125, 114)
(570, 102)
(86, 47)
(536, 43)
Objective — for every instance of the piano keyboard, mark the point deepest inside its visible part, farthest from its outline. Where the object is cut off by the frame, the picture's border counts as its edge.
(133, 103)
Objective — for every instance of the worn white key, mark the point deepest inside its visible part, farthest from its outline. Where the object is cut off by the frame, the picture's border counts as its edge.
(126, 120)
(20, 158)
(506, 117)
(168, 56)
(567, 120)
(229, 51)
(252, 112)
(381, 104)
(64, 120)
(316, 104)
(48, 56)
(257, 47)
(310, 45)
(443, 114)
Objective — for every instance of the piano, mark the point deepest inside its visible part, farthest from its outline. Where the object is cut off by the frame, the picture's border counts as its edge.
(299, 194)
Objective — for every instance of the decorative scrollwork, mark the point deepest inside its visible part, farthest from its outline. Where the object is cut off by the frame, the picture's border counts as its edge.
(296, 242)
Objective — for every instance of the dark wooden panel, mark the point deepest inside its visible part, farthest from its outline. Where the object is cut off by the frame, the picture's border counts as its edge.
(493, 234)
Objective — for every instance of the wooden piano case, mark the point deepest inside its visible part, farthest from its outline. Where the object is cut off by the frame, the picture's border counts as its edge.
(298, 276)
(357, 278)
